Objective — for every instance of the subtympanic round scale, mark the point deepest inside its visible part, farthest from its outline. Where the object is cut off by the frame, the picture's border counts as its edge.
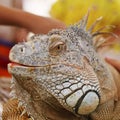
(89, 103)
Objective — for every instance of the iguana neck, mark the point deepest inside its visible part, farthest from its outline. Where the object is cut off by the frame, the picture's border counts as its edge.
(116, 77)
(106, 80)
(50, 112)
(107, 84)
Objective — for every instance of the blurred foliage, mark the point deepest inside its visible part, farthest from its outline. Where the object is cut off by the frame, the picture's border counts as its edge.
(71, 11)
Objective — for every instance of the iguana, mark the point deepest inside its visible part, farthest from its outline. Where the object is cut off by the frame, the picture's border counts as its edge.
(60, 76)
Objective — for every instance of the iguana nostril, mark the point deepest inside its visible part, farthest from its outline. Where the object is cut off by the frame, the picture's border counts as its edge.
(87, 103)
(21, 49)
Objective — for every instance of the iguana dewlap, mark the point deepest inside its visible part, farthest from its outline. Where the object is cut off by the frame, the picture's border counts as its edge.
(60, 76)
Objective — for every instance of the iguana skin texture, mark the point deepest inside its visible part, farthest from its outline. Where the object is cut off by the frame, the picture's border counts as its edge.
(11, 111)
(60, 76)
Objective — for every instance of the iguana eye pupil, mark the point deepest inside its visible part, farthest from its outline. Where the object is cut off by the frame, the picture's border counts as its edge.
(58, 47)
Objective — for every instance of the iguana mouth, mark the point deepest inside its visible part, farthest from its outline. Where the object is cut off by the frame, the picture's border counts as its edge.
(14, 64)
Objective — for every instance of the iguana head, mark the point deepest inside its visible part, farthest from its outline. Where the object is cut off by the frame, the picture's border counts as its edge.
(61, 66)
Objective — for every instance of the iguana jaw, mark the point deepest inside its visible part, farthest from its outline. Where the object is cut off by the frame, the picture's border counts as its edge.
(78, 102)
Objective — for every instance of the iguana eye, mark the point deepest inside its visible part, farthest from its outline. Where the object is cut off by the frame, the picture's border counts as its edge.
(57, 47)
